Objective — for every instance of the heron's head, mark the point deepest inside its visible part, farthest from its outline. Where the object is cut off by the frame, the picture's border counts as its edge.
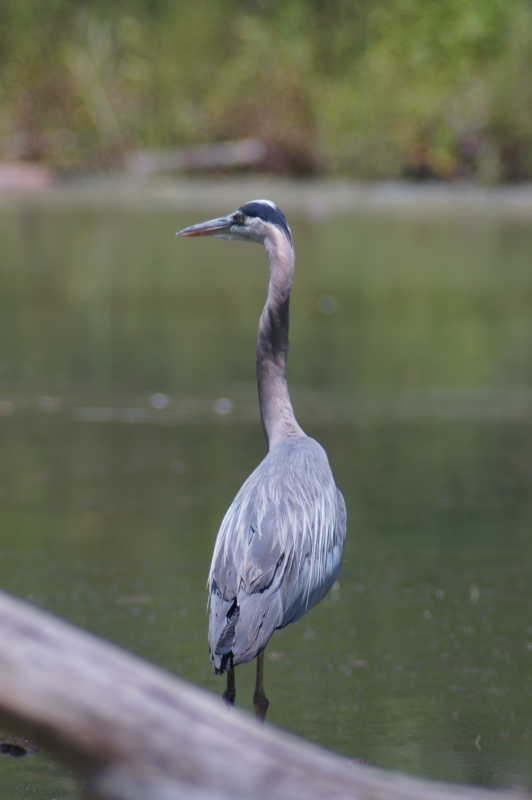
(256, 221)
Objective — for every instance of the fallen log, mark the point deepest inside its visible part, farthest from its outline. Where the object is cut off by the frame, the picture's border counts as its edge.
(221, 155)
(134, 732)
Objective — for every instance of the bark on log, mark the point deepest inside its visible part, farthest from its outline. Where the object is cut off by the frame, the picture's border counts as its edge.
(133, 731)
(241, 153)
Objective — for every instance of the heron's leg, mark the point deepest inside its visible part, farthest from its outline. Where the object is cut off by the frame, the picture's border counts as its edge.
(260, 701)
(230, 689)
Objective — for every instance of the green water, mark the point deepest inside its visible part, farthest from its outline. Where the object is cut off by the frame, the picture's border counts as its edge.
(410, 361)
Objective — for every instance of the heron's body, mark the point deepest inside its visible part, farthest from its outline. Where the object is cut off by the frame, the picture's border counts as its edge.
(278, 549)
(279, 546)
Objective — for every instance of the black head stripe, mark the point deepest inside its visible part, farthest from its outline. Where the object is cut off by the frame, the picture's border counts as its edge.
(268, 213)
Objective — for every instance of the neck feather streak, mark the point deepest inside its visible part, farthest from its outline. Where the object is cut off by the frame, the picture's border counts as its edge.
(276, 409)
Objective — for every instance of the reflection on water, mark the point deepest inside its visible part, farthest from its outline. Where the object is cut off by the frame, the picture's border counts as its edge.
(128, 416)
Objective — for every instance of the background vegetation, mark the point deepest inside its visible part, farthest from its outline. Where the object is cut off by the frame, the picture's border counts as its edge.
(372, 89)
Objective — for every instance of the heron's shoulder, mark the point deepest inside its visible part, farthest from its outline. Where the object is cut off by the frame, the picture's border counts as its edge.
(297, 449)
(291, 470)
(292, 461)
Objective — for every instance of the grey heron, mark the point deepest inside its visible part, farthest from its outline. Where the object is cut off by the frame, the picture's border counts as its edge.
(280, 543)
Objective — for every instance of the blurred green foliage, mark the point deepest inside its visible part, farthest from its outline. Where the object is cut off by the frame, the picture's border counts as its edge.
(373, 89)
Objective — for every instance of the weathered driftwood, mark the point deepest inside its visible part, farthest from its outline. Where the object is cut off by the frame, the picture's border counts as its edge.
(240, 153)
(133, 731)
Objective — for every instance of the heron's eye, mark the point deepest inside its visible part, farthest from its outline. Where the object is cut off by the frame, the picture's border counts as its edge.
(239, 218)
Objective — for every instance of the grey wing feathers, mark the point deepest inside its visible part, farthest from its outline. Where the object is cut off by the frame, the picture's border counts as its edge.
(277, 552)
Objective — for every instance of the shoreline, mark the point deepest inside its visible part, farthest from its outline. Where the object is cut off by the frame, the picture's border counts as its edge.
(312, 198)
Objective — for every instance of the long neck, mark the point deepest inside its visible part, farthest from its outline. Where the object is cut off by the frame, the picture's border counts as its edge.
(276, 409)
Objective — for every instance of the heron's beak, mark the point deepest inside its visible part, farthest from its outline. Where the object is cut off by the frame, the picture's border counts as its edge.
(212, 227)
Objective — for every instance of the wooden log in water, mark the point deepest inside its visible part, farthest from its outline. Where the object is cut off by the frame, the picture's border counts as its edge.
(133, 731)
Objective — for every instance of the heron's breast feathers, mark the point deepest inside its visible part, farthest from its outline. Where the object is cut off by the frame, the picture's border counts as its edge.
(285, 528)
